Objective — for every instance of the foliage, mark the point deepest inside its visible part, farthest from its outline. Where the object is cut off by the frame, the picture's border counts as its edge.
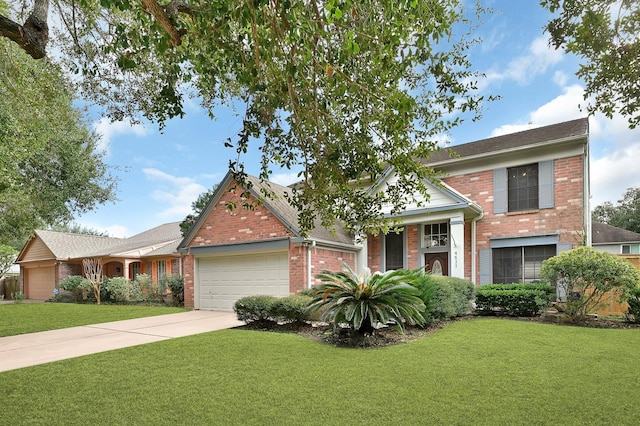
(604, 34)
(255, 309)
(291, 309)
(75, 228)
(19, 297)
(197, 207)
(150, 291)
(52, 167)
(444, 297)
(338, 91)
(175, 283)
(625, 214)
(77, 285)
(633, 299)
(121, 289)
(587, 277)
(8, 256)
(520, 300)
(366, 301)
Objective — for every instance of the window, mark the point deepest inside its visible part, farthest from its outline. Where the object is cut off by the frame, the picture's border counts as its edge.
(631, 249)
(520, 264)
(134, 270)
(436, 235)
(523, 188)
(394, 251)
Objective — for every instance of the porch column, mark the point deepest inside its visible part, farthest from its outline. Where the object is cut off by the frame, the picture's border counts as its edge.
(361, 255)
(125, 268)
(457, 247)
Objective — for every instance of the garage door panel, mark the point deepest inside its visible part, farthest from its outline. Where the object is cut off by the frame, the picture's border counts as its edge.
(223, 280)
(40, 283)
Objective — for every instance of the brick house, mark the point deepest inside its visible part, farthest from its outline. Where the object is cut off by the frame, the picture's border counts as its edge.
(49, 257)
(501, 207)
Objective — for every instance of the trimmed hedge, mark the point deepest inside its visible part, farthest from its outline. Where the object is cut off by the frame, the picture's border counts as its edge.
(270, 310)
(519, 300)
(445, 297)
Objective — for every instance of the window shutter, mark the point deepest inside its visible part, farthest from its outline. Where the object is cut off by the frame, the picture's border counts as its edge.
(485, 266)
(564, 247)
(545, 184)
(500, 190)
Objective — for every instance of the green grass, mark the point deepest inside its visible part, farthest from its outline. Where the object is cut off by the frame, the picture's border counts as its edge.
(24, 318)
(484, 371)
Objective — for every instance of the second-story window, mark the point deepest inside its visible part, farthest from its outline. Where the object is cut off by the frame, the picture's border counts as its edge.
(523, 188)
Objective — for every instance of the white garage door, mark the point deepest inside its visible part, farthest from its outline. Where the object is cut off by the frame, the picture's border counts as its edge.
(39, 283)
(223, 280)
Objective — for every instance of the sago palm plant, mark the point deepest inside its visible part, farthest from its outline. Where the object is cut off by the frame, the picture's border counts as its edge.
(367, 300)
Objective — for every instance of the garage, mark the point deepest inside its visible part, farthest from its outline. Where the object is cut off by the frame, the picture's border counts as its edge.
(222, 280)
(39, 282)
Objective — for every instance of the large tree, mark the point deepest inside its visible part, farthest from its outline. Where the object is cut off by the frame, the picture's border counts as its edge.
(50, 167)
(605, 35)
(625, 214)
(338, 90)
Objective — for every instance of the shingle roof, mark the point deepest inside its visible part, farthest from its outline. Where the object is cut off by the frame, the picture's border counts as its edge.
(607, 234)
(540, 135)
(281, 207)
(65, 245)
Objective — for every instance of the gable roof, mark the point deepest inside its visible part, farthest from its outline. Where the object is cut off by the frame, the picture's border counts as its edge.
(607, 234)
(278, 205)
(554, 133)
(66, 245)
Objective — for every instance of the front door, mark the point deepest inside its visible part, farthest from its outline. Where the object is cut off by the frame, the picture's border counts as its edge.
(437, 263)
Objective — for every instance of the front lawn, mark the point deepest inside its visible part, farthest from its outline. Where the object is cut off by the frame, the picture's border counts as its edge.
(24, 318)
(482, 371)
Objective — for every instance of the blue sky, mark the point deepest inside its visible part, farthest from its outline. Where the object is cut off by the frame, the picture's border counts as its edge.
(161, 174)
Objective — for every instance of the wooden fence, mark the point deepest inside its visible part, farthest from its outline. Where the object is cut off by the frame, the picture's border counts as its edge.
(613, 306)
(9, 286)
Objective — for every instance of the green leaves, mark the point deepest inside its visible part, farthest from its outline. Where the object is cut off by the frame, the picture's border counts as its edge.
(367, 301)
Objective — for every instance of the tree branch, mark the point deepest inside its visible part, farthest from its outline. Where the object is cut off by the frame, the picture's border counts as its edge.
(33, 36)
(163, 17)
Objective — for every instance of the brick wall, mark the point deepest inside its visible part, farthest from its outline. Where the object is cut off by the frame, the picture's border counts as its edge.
(324, 259)
(64, 270)
(187, 274)
(565, 218)
(374, 249)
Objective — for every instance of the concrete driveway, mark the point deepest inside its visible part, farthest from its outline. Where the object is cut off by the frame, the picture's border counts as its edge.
(26, 350)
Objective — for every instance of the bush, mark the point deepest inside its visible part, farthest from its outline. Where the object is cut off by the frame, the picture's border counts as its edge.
(120, 289)
(291, 309)
(633, 299)
(251, 309)
(175, 283)
(77, 285)
(150, 291)
(521, 300)
(365, 301)
(444, 297)
(589, 276)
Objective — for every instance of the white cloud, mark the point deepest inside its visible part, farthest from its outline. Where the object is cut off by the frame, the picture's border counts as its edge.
(524, 68)
(285, 179)
(109, 130)
(612, 174)
(175, 194)
(117, 231)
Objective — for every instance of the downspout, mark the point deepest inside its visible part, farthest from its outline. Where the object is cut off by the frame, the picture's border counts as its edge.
(474, 248)
(309, 247)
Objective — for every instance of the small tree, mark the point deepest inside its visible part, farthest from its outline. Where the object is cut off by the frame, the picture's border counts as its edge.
(587, 277)
(93, 272)
(7, 257)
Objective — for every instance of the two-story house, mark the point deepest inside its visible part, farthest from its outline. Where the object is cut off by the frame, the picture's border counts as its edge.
(501, 207)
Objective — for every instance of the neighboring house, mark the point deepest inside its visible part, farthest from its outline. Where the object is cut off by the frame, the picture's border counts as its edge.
(615, 240)
(49, 257)
(502, 206)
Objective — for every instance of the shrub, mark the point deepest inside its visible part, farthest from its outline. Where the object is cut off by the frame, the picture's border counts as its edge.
(633, 299)
(175, 283)
(444, 297)
(77, 285)
(366, 301)
(120, 289)
(252, 309)
(291, 309)
(521, 300)
(588, 276)
(150, 290)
